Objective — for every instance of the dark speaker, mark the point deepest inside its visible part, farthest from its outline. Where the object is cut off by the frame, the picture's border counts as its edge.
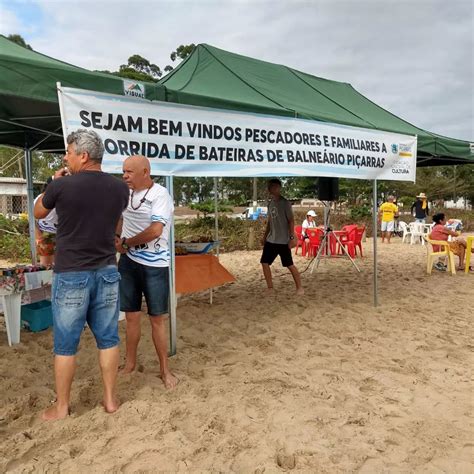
(328, 189)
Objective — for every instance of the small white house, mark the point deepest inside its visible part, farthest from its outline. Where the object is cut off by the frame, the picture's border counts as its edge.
(13, 195)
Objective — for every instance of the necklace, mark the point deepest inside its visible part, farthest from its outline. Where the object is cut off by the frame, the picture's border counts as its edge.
(142, 200)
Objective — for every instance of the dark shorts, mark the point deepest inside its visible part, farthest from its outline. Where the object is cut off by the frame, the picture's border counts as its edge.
(271, 251)
(140, 280)
(90, 297)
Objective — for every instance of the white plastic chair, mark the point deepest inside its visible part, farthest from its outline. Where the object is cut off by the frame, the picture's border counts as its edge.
(406, 230)
(417, 230)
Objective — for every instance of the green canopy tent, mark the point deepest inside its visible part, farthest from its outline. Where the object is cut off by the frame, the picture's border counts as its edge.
(212, 77)
(29, 109)
(209, 77)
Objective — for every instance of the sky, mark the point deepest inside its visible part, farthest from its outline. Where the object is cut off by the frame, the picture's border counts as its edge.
(412, 57)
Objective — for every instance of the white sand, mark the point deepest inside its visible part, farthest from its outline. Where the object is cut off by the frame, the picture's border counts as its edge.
(325, 383)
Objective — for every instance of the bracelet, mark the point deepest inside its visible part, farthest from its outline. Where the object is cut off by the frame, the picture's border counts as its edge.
(118, 236)
(124, 244)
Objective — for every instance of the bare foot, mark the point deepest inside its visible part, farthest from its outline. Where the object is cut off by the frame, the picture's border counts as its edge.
(54, 413)
(127, 368)
(112, 406)
(269, 291)
(169, 380)
(300, 291)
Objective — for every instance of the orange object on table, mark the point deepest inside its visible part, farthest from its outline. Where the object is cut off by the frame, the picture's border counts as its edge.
(199, 272)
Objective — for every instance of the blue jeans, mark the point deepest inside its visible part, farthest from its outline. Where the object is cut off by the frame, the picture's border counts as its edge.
(85, 296)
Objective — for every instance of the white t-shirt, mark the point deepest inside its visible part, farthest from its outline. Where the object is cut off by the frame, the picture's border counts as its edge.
(49, 223)
(157, 207)
(308, 225)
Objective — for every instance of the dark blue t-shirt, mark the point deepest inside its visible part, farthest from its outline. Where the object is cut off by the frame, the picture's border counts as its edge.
(89, 205)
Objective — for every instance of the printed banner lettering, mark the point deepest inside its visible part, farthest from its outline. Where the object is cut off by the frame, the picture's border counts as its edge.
(183, 140)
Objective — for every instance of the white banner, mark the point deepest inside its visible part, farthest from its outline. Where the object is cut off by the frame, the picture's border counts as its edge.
(183, 140)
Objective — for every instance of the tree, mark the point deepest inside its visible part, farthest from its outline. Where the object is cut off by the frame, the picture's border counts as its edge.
(181, 52)
(18, 39)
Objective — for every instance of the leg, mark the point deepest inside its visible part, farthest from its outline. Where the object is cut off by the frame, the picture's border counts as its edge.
(131, 290)
(270, 252)
(109, 361)
(70, 299)
(267, 273)
(133, 334)
(64, 369)
(160, 340)
(156, 291)
(383, 236)
(297, 278)
(389, 235)
(102, 318)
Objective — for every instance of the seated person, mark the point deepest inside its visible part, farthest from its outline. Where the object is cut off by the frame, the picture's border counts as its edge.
(308, 223)
(441, 232)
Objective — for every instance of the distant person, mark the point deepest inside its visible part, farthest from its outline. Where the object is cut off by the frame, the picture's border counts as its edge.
(89, 204)
(45, 234)
(309, 222)
(279, 237)
(457, 245)
(420, 209)
(142, 239)
(387, 213)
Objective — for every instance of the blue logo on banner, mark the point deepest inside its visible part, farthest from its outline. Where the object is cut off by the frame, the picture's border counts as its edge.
(394, 148)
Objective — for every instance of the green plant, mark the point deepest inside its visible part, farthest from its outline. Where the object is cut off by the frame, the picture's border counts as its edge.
(360, 212)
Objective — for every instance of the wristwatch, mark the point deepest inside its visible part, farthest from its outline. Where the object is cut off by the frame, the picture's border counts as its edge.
(124, 244)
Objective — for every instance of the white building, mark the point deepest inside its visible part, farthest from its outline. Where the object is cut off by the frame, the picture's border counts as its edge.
(13, 195)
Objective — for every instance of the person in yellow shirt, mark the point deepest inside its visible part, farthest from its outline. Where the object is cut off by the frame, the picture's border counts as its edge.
(387, 213)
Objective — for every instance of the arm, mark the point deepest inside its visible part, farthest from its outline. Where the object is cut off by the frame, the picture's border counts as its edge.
(267, 231)
(152, 232)
(291, 231)
(40, 212)
(397, 213)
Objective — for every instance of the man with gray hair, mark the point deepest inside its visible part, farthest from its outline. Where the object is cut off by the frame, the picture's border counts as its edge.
(89, 204)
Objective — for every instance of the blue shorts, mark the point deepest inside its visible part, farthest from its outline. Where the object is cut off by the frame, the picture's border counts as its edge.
(140, 280)
(85, 296)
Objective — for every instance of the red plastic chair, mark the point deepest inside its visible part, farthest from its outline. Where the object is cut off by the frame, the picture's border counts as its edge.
(300, 242)
(358, 239)
(348, 240)
(314, 236)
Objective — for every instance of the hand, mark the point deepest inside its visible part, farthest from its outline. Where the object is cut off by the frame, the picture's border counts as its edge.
(264, 239)
(61, 172)
(118, 246)
(292, 243)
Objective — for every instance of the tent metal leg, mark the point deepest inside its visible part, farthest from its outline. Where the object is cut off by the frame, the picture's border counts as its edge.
(374, 238)
(216, 214)
(172, 277)
(30, 202)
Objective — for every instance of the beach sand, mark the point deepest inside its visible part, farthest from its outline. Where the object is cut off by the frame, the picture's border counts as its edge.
(322, 383)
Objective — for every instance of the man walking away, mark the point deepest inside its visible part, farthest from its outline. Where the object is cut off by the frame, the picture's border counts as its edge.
(279, 237)
(387, 212)
(144, 264)
(86, 281)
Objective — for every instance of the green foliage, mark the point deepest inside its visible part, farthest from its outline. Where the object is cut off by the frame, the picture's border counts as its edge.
(234, 234)
(18, 39)
(208, 207)
(14, 241)
(360, 212)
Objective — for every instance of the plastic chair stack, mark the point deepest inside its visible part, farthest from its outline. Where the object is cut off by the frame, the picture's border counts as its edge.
(439, 248)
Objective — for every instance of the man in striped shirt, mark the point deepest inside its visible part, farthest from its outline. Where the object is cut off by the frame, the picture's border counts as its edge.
(142, 239)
